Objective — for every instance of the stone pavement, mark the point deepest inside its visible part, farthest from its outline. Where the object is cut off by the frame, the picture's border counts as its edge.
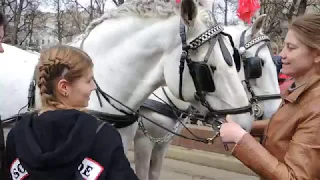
(178, 170)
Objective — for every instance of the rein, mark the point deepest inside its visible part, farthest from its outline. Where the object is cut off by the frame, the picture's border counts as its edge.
(136, 113)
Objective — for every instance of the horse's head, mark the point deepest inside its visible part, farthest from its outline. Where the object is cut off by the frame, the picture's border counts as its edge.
(258, 67)
(207, 76)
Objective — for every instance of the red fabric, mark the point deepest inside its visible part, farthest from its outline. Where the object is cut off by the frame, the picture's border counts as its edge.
(283, 76)
(178, 1)
(285, 85)
(284, 82)
(246, 9)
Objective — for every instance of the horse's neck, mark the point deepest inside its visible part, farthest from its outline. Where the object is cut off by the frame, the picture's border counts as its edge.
(127, 61)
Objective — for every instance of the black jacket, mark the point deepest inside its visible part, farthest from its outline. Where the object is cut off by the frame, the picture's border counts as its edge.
(3, 168)
(63, 144)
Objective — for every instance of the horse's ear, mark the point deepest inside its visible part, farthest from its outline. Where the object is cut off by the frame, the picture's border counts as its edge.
(258, 24)
(209, 5)
(189, 11)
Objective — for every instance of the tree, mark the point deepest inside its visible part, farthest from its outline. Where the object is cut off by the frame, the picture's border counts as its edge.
(279, 13)
(225, 11)
(20, 16)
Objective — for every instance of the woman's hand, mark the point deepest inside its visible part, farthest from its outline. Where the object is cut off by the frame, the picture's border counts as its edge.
(231, 132)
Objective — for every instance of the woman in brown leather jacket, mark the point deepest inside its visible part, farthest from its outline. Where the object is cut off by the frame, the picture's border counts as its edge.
(291, 145)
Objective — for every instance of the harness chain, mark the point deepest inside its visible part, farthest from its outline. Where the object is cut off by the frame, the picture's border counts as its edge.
(175, 110)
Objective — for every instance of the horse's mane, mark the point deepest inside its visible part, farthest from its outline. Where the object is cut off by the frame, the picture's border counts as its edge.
(140, 8)
(143, 9)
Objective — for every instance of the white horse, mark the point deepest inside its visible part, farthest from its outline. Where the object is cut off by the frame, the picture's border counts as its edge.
(136, 48)
(16, 71)
(151, 142)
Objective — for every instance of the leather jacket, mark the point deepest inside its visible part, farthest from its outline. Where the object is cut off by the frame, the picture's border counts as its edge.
(291, 145)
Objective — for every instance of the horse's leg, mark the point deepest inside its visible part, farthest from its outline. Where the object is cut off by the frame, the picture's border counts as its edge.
(158, 154)
(142, 155)
(157, 158)
(127, 135)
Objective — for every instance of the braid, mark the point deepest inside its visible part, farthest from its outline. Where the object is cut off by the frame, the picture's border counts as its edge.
(45, 84)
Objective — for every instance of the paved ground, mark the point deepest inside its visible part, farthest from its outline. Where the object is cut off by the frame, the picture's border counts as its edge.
(178, 170)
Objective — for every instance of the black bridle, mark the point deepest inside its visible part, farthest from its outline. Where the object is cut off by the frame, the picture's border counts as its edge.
(253, 69)
(201, 72)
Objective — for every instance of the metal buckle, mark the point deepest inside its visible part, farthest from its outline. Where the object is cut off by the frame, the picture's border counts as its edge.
(257, 110)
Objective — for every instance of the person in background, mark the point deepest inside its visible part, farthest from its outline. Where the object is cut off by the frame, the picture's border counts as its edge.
(291, 143)
(277, 60)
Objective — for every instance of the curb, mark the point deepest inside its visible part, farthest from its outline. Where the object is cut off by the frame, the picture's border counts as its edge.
(210, 159)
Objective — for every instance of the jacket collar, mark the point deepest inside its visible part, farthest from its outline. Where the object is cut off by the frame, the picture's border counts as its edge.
(295, 94)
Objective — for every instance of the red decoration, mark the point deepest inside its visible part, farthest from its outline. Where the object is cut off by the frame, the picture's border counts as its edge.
(246, 9)
(178, 1)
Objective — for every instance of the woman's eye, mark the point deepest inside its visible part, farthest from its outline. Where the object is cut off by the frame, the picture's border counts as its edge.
(290, 47)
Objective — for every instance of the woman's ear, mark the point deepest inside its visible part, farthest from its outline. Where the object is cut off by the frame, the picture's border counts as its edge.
(63, 87)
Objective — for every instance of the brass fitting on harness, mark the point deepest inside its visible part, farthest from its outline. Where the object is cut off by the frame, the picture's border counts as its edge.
(210, 141)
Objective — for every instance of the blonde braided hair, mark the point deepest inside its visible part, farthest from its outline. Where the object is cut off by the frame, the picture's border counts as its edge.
(59, 62)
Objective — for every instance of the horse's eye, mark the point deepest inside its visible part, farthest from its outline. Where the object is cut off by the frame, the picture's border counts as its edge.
(213, 68)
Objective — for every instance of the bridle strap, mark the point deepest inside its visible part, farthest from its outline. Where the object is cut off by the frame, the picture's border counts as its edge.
(254, 98)
(184, 56)
(213, 42)
(199, 95)
(224, 50)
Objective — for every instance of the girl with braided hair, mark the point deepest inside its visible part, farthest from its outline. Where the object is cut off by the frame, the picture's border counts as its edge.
(60, 141)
